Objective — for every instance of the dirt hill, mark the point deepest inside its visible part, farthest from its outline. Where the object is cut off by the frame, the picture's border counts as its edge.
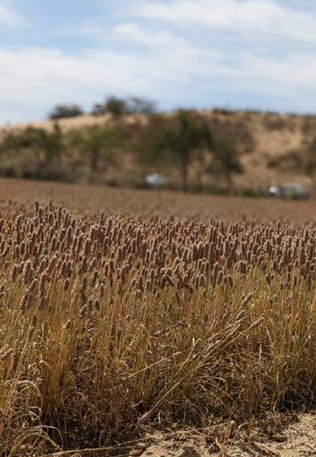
(268, 142)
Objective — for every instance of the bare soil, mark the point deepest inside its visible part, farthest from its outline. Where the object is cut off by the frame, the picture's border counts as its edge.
(296, 440)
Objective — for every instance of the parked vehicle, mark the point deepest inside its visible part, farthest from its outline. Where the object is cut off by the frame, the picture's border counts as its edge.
(292, 191)
(155, 181)
(273, 191)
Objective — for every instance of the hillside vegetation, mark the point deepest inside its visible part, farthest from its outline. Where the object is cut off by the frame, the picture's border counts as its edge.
(272, 148)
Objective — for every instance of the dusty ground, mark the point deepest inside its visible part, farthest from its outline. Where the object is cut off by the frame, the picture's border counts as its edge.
(84, 199)
(297, 440)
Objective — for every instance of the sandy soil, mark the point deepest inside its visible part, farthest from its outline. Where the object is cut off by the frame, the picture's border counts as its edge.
(297, 440)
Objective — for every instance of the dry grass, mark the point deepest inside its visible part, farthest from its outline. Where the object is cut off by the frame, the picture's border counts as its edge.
(113, 322)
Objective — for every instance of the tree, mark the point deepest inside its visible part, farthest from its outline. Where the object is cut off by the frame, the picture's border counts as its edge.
(189, 135)
(119, 106)
(65, 111)
(97, 142)
(310, 161)
(226, 159)
(98, 109)
(140, 105)
(51, 144)
(184, 135)
(115, 106)
(41, 149)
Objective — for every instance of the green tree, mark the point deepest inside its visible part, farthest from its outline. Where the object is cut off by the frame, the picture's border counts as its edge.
(51, 144)
(115, 106)
(41, 149)
(119, 106)
(140, 105)
(97, 142)
(65, 111)
(179, 140)
(310, 162)
(226, 159)
(98, 109)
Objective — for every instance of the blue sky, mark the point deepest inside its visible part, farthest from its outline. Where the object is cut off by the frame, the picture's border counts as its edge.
(258, 54)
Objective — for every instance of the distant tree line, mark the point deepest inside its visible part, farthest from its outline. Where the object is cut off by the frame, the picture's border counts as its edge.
(175, 142)
(114, 105)
(303, 160)
(65, 111)
(182, 142)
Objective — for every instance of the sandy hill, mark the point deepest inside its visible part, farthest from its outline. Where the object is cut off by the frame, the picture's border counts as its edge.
(266, 141)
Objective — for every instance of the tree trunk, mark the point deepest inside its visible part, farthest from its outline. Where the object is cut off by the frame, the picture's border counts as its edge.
(314, 183)
(94, 159)
(229, 181)
(184, 171)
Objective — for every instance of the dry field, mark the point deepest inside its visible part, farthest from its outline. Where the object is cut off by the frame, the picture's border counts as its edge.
(124, 312)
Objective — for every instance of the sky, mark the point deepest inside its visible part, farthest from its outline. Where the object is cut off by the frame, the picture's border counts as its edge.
(237, 54)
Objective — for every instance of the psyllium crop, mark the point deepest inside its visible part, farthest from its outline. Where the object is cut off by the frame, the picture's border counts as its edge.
(113, 320)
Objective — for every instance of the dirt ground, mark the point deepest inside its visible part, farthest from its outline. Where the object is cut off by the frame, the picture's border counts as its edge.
(86, 199)
(296, 440)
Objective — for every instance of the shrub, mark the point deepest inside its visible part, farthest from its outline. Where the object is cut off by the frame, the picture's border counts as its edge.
(65, 111)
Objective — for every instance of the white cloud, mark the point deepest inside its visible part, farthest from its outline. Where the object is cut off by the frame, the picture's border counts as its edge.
(39, 78)
(134, 33)
(172, 55)
(9, 19)
(295, 73)
(266, 17)
(163, 57)
(125, 31)
(34, 79)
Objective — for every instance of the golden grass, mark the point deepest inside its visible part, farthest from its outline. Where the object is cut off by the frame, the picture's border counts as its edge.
(110, 323)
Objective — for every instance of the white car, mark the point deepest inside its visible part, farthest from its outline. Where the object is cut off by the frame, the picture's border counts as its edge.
(155, 181)
(292, 191)
(273, 191)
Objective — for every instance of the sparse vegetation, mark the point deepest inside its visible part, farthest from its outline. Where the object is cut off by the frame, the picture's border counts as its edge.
(226, 160)
(179, 140)
(120, 106)
(97, 144)
(65, 111)
(310, 161)
(35, 153)
(266, 156)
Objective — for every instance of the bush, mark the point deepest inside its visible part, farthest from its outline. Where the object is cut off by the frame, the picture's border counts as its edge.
(98, 109)
(140, 105)
(249, 192)
(65, 111)
(119, 106)
(115, 106)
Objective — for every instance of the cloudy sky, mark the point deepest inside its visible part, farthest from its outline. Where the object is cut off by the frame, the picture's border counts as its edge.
(181, 53)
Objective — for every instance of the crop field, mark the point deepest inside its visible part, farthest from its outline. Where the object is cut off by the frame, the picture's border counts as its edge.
(122, 311)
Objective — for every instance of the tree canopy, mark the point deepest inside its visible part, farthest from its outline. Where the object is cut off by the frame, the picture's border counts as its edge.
(65, 111)
(177, 139)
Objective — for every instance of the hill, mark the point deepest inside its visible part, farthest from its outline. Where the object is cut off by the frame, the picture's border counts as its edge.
(271, 146)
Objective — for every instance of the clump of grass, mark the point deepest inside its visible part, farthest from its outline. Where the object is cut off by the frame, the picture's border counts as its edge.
(111, 322)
